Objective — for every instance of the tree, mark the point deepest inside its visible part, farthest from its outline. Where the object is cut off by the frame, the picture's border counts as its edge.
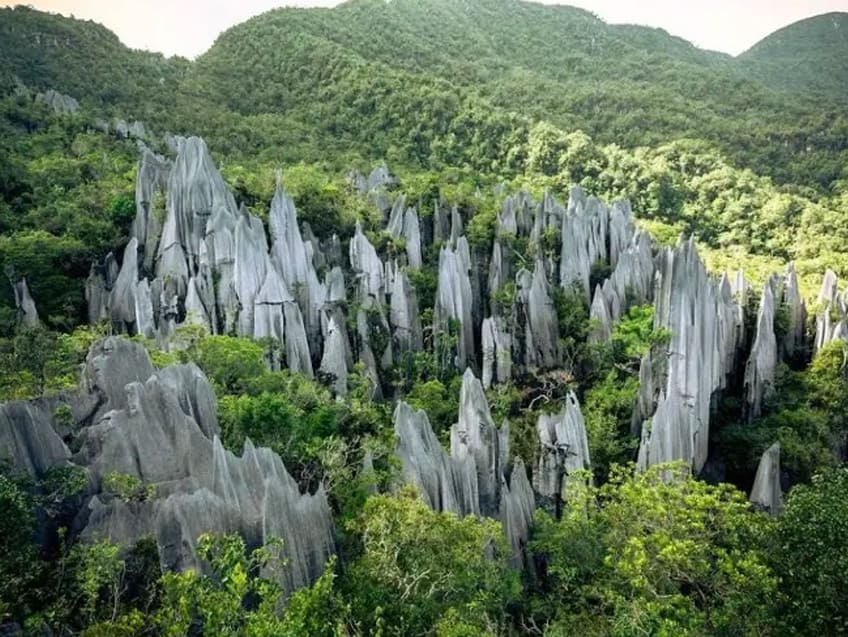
(417, 565)
(811, 556)
(657, 553)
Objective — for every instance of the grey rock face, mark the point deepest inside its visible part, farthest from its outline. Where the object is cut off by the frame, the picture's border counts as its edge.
(151, 183)
(405, 319)
(475, 433)
(584, 238)
(454, 301)
(690, 305)
(27, 313)
(831, 323)
(366, 265)
(766, 492)
(759, 372)
(444, 483)
(293, 260)
(540, 319)
(497, 352)
(631, 281)
(564, 450)
(474, 478)
(28, 438)
(403, 223)
(794, 339)
(161, 427)
(334, 362)
(61, 104)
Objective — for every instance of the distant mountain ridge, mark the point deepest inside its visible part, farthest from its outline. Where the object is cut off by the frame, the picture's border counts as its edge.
(418, 81)
(808, 55)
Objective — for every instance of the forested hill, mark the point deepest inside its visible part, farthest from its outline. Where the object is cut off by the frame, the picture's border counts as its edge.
(495, 254)
(627, 85)
(407, 80)
(83, 59)
(809, 55)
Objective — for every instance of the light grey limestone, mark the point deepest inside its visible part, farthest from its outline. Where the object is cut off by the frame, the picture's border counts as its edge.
(404, 316)
(564, 450)
(690, 306)
(760, 369)
(27, 312)
(334, 362)
(61, 104)
(497, 351)
(766, 492)
(454, 300)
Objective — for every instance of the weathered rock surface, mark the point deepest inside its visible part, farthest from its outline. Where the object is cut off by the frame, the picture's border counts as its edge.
(27, 313)
(691, 306)
(454, 304)
(759, 371)
(497, 352)
(831, 321)
(564, 451)
(766, 492)
(61, 104)
(474, 478)
(161, 427)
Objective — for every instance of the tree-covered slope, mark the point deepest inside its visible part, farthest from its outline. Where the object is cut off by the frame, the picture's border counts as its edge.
(808, 56)
(622, 84)
(84, 59)
(441, 82)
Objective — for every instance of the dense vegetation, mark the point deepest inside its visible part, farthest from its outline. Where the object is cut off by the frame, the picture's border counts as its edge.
(457, 97)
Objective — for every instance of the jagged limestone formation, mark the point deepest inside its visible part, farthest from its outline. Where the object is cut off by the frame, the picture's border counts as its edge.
(334, 362)
(631, 281)
(497, 352)
(454, 304)
(291, 257)
(677, 385)
(794, 338)
(832, 312)
(29, 437)
(211, 263)
(61, 104)
(564, 451)
(541, 327)
(404, 316)
(27, 313)
(161, 427)
(759, 371)
(474, 478)
(150, 187)
(766, 492)
(403, 223)
(366, 265)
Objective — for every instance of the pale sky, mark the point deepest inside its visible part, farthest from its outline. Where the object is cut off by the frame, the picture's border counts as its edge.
(189, 27)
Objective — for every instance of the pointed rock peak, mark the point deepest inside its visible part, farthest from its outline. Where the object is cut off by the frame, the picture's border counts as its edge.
(766, 492)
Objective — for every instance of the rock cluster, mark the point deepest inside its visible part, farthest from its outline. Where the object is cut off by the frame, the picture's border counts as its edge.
(61, 104)
(160, 427)
(832, 312)
(475, 478)
(677, 383)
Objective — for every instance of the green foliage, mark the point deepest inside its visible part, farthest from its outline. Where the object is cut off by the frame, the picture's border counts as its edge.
(418, 565)
(230, 363)
(657, 553)
(127, 487)
(811, 558)
(98, 571)
(806, 415)
(18, 554)
(214, 604)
